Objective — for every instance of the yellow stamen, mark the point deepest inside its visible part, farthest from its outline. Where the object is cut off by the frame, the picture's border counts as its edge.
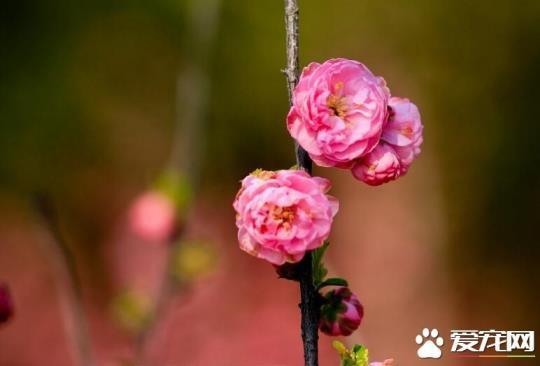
(263, 174)
(337, 105)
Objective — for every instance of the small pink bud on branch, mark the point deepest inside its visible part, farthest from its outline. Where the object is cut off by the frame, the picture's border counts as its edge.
(341, 312)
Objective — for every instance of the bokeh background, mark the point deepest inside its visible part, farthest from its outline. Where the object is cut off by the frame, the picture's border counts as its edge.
(91, 97)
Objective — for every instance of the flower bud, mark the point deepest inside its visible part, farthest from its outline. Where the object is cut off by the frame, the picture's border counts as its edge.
(6, 304)
(152, 216)
(341, 312)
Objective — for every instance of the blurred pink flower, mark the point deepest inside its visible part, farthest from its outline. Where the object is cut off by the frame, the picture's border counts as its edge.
(339, 109)
(152, 216)
(389, 362)
(341, 312)
(281, 215)
(6, 304)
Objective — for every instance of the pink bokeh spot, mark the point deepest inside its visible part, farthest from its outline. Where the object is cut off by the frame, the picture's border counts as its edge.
(152, 216)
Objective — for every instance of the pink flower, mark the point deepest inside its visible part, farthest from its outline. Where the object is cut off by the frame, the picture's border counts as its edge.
(404, 130)
(389, 362)
(339, 109)
(6, 305)
(341, 313)
(404, 127)
(152, 216)
(399, 146)
(281, 215)
(379, 166)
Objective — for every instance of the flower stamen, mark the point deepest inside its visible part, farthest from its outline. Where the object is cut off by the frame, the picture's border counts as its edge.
(284, 215)
(337, 105)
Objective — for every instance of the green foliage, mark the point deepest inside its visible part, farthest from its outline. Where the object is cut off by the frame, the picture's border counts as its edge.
(177, 187)
(319, 270)
(356, 356)
(192, 259)
(132, 310)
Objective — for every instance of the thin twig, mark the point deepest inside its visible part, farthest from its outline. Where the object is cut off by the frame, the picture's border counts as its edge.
(66, 276)
(192, 94)
(309, 304)
(165, 293)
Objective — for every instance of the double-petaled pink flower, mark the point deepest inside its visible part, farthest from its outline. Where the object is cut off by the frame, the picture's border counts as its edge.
(341, 312)
(399, 146)
(338, 112)
(281, 215)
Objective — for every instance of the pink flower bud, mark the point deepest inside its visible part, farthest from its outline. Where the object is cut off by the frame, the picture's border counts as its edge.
(152, 216)
(6, 304)
(338, 112)
(281, 215)
(341, 312)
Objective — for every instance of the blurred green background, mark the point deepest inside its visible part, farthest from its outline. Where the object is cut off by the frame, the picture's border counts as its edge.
(87, 109)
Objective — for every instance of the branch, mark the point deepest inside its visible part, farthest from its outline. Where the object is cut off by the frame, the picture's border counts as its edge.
(66, 276)
(309, 305)
(291, 28)
(192, 94)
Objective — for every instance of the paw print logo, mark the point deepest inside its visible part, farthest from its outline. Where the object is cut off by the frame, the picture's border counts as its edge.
(430, 344)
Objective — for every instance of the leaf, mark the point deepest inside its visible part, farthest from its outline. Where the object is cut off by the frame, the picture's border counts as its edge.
(176, 187)
(340, 347)
(192, 259)
(360, 355)
(357, 356)
(319, 270)
(334, 281)
(131, 309)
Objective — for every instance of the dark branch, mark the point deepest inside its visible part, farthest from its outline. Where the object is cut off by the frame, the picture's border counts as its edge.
(308, 305)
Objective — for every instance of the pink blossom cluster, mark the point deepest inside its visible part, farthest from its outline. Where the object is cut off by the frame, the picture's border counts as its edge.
(281, 215)
(344, 117)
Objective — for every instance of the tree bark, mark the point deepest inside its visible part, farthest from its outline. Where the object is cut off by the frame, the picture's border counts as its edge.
(309, 306)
